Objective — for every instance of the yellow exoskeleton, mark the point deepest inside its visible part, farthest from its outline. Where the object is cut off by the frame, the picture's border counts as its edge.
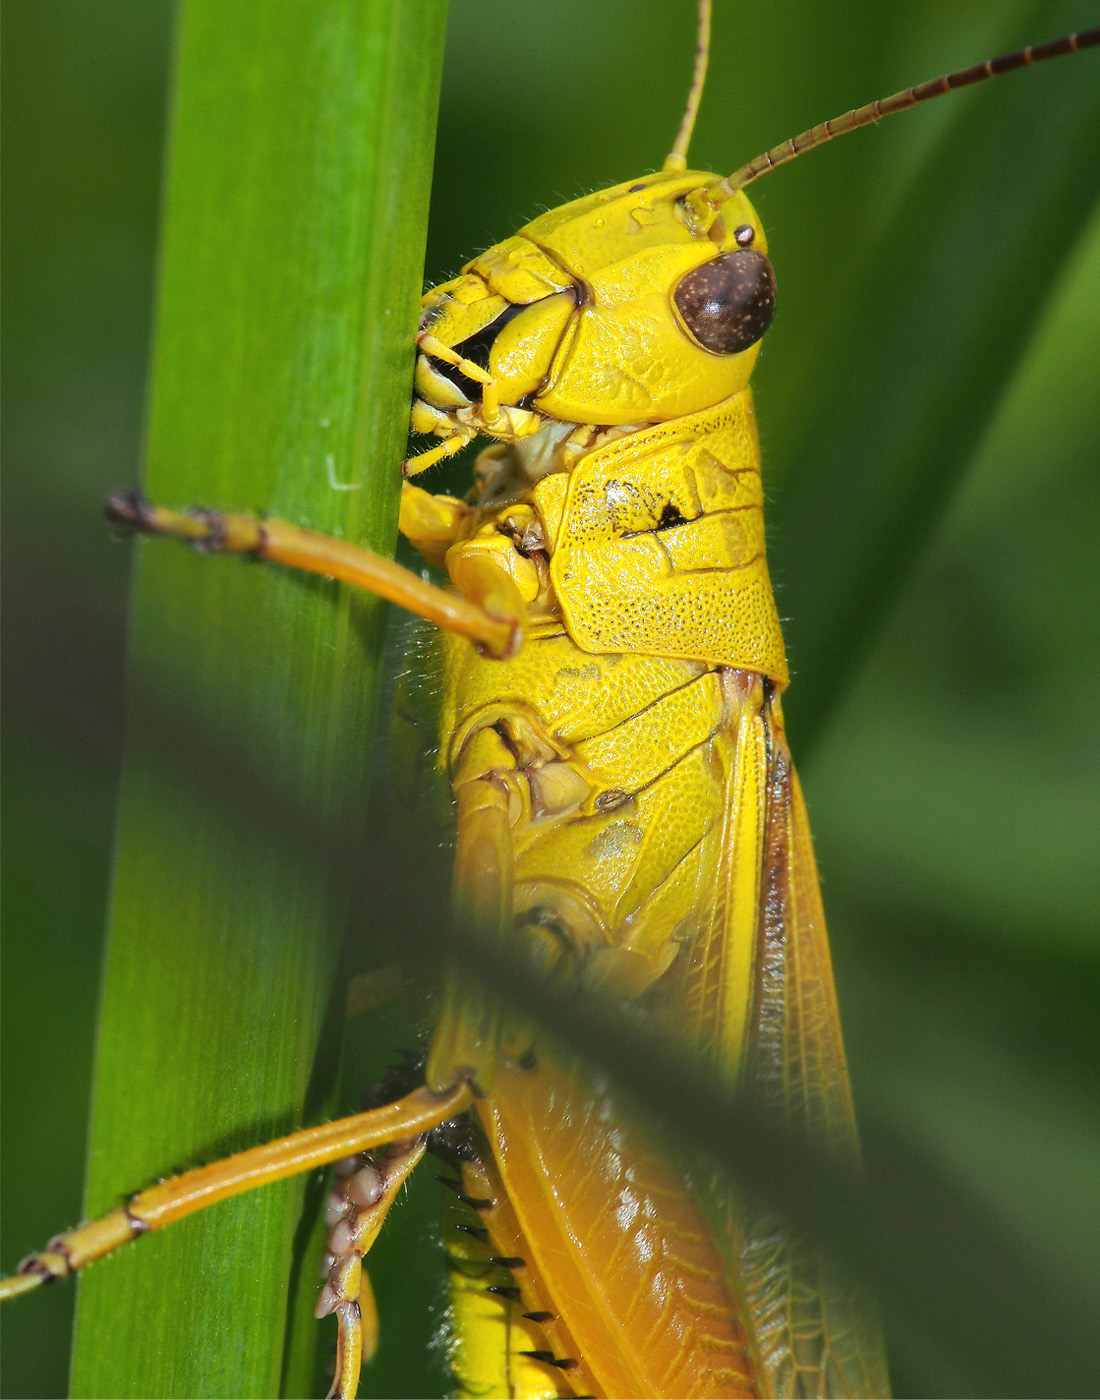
(627, 813)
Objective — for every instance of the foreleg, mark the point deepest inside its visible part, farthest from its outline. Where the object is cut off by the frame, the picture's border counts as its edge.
(498, 632)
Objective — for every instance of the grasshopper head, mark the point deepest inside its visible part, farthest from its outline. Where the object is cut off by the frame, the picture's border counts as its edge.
(622, 307)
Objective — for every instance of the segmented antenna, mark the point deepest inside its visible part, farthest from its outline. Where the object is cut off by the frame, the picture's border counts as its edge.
(887, 106)
(677, 157)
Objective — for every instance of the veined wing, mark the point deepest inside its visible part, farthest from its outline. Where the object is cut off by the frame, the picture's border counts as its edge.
(815, 1333)
(626, 1252)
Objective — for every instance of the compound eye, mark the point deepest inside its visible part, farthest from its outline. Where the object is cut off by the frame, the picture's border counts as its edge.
(728, 304)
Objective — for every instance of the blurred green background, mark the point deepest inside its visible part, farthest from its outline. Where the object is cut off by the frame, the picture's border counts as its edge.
(949, 750)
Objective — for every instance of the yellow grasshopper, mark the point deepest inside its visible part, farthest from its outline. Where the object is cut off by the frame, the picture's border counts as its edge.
(610, 571)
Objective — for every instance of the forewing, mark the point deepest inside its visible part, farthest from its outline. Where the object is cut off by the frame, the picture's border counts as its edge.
(816, 1332)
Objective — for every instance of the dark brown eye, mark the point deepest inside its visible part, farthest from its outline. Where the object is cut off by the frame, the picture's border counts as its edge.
(728, 304)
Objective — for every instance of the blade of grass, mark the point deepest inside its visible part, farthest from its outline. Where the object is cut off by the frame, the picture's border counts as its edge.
(937, 323)
(290, 270)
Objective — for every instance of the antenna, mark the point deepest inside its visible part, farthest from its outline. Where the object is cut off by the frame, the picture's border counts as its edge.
(713, 195)
(677, 157)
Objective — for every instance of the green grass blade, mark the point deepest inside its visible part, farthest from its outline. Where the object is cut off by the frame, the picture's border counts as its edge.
(290, 270)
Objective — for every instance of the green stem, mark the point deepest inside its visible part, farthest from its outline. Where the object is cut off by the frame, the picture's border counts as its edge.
(291, 264)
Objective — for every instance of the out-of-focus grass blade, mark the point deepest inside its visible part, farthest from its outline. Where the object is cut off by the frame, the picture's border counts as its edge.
(290, 270)
(937, 320)
(955, 1283)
